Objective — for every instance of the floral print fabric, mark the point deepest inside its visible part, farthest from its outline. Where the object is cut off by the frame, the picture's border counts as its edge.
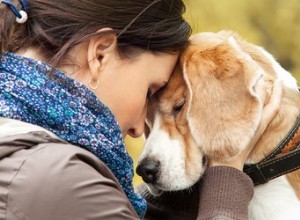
(68, 109)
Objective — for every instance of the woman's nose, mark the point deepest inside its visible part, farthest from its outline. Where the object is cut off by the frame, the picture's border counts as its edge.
(136, 131)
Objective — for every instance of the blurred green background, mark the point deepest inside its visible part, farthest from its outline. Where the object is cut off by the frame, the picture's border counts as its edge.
(273, 24)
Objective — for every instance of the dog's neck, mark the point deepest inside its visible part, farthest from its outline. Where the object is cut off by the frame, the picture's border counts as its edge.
(279, 127)
(277, 153)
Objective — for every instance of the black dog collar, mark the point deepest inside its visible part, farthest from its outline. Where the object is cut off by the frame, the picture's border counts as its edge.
(284, 159)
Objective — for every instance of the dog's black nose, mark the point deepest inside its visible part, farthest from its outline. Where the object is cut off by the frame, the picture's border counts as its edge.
(148, 170)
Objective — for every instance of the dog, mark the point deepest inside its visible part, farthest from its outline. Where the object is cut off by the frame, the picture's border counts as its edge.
(210, 108)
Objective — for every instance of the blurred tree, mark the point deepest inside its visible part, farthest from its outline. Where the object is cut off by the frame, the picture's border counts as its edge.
(273, 24)
(279, 30)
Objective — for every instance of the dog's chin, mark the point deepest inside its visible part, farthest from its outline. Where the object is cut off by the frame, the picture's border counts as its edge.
(157, 190)
(154, 190)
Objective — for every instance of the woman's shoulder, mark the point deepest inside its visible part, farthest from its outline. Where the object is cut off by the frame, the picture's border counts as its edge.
(39, 157)
(31, 144)
(38, 149)
(52, 175)
(59, 157)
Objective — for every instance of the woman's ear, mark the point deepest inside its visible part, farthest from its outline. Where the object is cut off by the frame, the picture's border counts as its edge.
(101, 48)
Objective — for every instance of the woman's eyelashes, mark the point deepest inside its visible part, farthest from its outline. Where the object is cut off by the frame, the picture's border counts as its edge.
(149, 94)
(155, 90)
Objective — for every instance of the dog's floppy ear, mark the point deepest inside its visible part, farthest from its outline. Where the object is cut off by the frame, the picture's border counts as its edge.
(225, 108)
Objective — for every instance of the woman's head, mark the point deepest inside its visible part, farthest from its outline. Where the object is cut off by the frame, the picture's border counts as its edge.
(56, 26)
(124, 49)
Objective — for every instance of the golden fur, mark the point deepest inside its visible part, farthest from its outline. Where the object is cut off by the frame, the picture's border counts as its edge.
(224, 83)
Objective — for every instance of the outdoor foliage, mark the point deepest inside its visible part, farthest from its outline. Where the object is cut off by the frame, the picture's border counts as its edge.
(273, 24)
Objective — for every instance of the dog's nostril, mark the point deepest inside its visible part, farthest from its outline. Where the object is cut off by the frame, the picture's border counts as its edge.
(148, 170)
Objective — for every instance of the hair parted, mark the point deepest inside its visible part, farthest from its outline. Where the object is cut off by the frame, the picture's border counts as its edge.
(56, 26)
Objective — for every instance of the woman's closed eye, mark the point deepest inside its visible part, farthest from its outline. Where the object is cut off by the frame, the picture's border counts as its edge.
(149, 94)
(155, 90)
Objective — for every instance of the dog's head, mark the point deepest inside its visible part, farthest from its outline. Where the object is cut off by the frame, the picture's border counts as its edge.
(210, 108)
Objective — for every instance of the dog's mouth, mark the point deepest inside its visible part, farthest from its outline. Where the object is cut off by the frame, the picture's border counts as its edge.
(160, 178)
(154, 190)
(158, 190)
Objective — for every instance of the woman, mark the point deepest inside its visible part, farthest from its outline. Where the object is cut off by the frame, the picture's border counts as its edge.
(74, 79)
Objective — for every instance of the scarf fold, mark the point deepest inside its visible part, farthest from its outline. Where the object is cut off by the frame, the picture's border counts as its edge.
(68, 109)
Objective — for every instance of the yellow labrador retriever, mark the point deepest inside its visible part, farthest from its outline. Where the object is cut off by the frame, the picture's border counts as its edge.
(210, 109)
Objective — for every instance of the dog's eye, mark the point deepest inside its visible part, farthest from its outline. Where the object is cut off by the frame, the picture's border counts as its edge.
(177, 108)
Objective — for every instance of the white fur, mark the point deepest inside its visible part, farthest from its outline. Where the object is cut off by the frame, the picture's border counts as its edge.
(286, 77)
(235, 45)
(170, 153)
(275, 200)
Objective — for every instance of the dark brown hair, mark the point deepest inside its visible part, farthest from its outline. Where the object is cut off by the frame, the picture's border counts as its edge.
(56, 26)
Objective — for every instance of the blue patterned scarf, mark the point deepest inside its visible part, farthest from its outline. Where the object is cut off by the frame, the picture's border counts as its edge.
(68, 109)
